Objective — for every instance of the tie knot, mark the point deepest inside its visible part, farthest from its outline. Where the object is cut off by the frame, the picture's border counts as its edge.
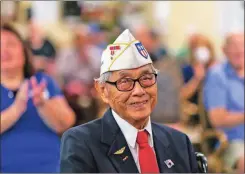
(142, 137)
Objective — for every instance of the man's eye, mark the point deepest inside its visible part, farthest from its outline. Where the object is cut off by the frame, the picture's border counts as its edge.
(147, 77)
(124, 80)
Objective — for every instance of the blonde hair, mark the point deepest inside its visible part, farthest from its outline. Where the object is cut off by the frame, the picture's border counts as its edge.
(201, 41)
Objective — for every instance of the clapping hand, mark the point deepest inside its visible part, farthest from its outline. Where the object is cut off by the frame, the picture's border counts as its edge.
(22, 98)
(38, 91)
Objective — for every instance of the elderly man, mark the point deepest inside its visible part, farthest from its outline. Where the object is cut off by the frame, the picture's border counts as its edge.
(125, 140)
(224, 99)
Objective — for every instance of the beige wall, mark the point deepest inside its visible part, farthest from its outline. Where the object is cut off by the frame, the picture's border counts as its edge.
(58, 32)
(201, 14)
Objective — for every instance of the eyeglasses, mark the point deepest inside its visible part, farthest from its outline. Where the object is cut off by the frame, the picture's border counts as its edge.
(127, 84)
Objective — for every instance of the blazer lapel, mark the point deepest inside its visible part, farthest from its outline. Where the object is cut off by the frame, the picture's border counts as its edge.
(121, 156)
(165, 156)
(118, 150)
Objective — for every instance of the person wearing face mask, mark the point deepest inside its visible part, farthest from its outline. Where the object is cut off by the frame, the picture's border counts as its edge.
(202, 57)
(125, 140)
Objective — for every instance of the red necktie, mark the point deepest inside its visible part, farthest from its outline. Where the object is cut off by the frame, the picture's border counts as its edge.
(147, 157)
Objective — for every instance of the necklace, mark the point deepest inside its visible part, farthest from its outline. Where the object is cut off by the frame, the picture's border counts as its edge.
(10, 94)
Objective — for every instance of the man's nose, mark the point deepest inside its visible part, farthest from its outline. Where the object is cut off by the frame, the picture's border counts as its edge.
(138, 90)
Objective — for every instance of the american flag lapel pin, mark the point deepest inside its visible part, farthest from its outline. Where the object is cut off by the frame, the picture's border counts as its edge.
(169, 163)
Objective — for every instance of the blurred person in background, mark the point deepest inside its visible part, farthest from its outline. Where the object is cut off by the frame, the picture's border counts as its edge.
(183, 52)
(224, 99)
(98, 35)
(33, 111)
(43, 50)
(82, 66)
(159, 50)
(152, 42)
(77, 65)
(144, 32)
(202, 57)
(96, 44)
(167, 110)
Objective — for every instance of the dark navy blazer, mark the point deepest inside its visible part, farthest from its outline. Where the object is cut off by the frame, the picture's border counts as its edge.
(90, 148)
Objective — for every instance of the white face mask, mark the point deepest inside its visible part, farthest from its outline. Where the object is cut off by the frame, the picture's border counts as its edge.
(202, 54)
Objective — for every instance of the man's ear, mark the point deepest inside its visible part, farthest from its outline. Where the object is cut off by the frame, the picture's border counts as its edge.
(101, 89)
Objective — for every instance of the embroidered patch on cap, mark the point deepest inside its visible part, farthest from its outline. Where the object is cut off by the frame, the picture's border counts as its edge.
(125, 53)
(141, 49)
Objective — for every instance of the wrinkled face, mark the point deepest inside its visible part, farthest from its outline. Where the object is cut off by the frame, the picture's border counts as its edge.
(12, 55)
(234, 50)
(135, 105)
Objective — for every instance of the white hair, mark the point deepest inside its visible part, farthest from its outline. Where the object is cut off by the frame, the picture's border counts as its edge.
(105, 76)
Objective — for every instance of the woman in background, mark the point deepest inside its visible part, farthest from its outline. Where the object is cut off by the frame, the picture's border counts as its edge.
(202, 57)
(33, 111)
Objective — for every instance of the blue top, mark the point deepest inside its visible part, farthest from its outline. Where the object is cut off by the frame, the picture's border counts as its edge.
(188, 73)
(30, 146)
(224, 88)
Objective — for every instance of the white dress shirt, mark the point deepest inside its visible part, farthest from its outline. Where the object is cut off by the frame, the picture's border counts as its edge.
(130, 133)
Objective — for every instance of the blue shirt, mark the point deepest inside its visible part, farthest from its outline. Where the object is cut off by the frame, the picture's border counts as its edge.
(188, 73)
(225, 89)
(29, 145)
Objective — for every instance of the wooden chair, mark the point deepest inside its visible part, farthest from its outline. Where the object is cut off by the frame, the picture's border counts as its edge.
(209, 139)
(209, 136)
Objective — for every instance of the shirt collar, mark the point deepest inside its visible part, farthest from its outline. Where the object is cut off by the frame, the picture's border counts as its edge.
(130, 132)
(231, 71)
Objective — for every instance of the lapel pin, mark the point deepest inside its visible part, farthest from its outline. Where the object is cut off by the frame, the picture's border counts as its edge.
(125, 158)
(120, 151)
(169, 163)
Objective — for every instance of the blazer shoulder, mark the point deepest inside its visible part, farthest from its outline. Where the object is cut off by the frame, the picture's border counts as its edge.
(85, 131)
(170, 132)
